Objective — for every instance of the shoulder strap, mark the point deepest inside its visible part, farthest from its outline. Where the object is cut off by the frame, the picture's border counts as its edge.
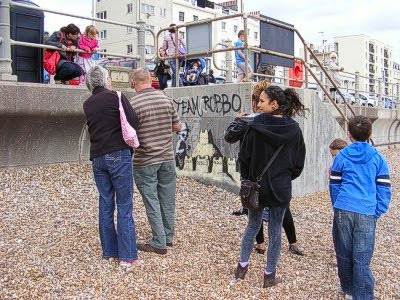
(270, 162)
(172, 39)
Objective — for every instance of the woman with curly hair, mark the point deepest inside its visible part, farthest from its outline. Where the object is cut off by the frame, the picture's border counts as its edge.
(269, 130)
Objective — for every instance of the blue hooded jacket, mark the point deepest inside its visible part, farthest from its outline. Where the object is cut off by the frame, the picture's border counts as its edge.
(359, 180)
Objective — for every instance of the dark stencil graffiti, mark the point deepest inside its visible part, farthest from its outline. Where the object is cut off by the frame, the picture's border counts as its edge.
(181, 146)
(199, 105)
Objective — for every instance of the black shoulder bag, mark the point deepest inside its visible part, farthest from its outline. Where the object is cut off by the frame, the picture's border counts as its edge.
(249, 189)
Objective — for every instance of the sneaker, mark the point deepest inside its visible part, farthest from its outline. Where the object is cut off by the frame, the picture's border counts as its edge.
(295, 250)
(240, 212)
(131, 264)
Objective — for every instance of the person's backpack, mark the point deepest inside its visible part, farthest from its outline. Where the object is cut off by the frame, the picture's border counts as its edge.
(51, 59)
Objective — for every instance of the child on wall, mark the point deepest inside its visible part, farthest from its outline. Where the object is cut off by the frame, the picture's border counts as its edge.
(193, 72)
(360, 192)
(89, 43)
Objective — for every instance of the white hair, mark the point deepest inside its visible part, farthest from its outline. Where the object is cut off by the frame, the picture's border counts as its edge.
(333, 54)
(96, 77)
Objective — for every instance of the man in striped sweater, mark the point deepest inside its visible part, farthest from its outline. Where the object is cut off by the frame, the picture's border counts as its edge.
(360, 193)
(153, 162)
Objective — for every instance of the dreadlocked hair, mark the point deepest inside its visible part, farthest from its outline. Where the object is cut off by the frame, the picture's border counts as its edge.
(288, 101)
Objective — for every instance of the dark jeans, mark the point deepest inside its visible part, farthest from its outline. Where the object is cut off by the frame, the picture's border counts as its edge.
(172, 64)
(114, 181)
(288, 226)
(354, 240)
(68, 71)
(274, 235)
(163, 80)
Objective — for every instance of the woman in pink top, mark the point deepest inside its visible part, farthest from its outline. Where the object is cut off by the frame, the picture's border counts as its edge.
(89, 43)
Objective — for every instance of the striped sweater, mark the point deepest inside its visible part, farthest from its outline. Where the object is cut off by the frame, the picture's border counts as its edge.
(156, 114)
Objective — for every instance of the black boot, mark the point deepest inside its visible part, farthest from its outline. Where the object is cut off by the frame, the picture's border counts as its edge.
(240, 272)
(271, 280)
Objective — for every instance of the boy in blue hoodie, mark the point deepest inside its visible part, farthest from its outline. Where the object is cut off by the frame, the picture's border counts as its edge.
(360, 193)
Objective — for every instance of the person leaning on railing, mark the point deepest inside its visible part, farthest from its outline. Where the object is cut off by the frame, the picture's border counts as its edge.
(334, 72)
(67, 39)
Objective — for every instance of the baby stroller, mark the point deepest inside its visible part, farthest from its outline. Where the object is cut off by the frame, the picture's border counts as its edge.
(201, 78)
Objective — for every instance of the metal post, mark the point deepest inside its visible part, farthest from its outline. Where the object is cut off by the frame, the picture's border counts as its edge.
(286, 75)
(5, 45)
(398, 94)
(141, 43)
(177, 64)
(305, 71)
(357, 88)
(246, 51)
(379, 93)
(228, 62)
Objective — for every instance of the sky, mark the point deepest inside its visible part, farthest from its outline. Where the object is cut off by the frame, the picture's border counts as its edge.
(379, 19)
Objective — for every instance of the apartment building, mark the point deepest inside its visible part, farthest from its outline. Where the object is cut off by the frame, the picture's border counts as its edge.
(156, 13)
(370, 57)
(159, 14)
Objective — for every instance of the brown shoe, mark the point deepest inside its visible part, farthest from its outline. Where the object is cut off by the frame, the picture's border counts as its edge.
(271, 280)
(240, 272)
(150, 248)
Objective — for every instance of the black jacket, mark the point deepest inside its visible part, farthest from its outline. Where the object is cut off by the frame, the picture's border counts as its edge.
(58, 39)
(237, 129)
(103, 120)
(265, 134)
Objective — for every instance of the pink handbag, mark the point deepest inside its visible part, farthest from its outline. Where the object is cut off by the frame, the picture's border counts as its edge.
(128, 132)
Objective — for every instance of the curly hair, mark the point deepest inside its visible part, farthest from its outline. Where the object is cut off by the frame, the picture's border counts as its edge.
(288, 101)
(258, 89)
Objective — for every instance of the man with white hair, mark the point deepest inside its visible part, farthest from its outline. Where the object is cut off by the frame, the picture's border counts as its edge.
(154, 164)
(334, 70)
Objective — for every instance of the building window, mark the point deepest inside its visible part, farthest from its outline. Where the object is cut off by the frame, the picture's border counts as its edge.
(129, 8)
(182, 35)
(223, 24)
(149, 49)
(163, 12)
(104, 50)
(248, 32)
(129, 48)
(181, 16)
(195, 18)
(129, 30)
(102, 15)
(151, 27)
(103, 34)
(255, 35)
(147, 9)
(235, 28)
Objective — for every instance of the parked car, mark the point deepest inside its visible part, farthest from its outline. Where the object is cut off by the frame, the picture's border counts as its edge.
(349, 98)
(133, 64)
(365, 98)
(387, 103)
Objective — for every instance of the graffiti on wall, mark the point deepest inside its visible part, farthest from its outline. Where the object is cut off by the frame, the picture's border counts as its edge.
(206, 160)
(217, 103)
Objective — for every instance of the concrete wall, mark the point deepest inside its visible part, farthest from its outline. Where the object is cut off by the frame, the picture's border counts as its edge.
(44, 124)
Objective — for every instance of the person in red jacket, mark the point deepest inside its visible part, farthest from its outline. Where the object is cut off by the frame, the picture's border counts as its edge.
(88, 43)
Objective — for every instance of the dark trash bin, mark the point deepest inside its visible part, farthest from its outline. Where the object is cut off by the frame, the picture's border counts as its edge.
(27, 25)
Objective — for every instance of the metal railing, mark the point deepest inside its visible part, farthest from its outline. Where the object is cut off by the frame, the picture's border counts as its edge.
(6, 42)
(248, 48)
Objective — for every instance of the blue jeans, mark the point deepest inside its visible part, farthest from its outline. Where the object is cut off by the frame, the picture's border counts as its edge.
(156, 183)
(172, 64)
(274, 235)
(114, 181)
(354, 240)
